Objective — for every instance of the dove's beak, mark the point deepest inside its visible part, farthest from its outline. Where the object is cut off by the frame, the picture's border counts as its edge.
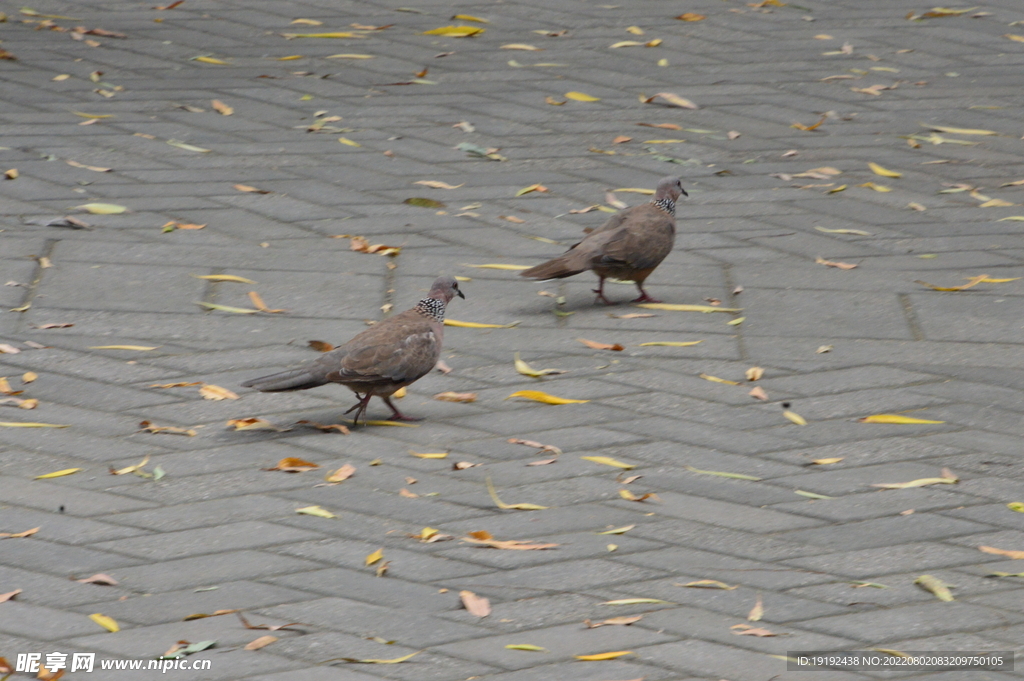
(460, 294)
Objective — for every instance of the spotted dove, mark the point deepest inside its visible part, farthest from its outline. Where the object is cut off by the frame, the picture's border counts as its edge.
(628, 246)
(382, 359)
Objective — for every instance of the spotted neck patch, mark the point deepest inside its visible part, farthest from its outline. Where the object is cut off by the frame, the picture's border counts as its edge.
(667, 205)
(433, 308)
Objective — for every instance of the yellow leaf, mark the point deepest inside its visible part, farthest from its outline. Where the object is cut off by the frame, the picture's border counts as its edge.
(348, 142)
(29, 377)
(618, 530)
(884, 172)
(391, 423)
(226, 308)
(673, 344)
(429, 455)
(995, 203)
(635, 30)
(526, 370)
(221, 108)
(876, 187)
(374, 557)
(989, 280)
(56, 474)
(858, 232)
(609, 461)
(936, 586)
(131, 469)
(318, 511)
(1016, 38)
(716, 379)
(138, 348)
(210, 60)
(840, 188)
(1016, 218)
(629, 496)
(581, 97)
(215, 392)
(349, 56)
(754, 373)
(290, 57)
(603, 656)
(921, 482)
(456, 31)
(709, 584)
(825, 462)
(795, 418)
(688, 308)
(737, 321)
(496, 266)
(722, 474)
(671, 98)
(626, 43)
(1016, 506)
(336, 34)
(501, 504)
(468, 17)
(663, 141)
(1012, 555)
(107, 623)
(526, 646)
(224, 277)
(102, 208)
(372, 661)
(653, 43)
(757, 612)
(521, 46)
(538, 396)
(532, 188)
(634, 601)
(893, 418)
(308, 22)
(960, 131)
(476, 325)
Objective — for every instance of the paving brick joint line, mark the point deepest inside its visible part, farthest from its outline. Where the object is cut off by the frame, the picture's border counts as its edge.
(235, 149)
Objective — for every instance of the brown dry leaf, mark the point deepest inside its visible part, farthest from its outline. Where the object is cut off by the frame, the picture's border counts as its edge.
(407, 494)
(873, 90)
(275, 627)
(202, 615)
(536, 445)
(258, 303)
(754, 373)
(150, 427)
(601, 346)
(9, 596)
(293, 464)
(100, 579)
(621, 139)
(671, 98)
(343, 473)
(485, 539)
(253, 423)
(831, 263)
(974, 281)
(1013, 555)
(449, 396)
(691, 16)
(19, 535)
(801, 126)
(621, 621)
(747, 630)
(478, 606)
(758, 610)
(629, 496)
(542, 462)
(215, 392)
(361, 245)
(261, 642)
(252, 190)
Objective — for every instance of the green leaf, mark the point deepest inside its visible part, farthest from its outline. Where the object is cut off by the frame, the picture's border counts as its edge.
(102, 208)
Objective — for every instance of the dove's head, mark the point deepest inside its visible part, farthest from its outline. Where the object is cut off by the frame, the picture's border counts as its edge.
(669, 188)
(445, 288)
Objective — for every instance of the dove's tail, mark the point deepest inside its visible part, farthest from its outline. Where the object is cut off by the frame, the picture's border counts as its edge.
(293, 379)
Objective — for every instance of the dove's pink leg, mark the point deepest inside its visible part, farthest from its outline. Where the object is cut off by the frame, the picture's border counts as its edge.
(397, 415)
(600, 292)
(359, 407)
(644, 298)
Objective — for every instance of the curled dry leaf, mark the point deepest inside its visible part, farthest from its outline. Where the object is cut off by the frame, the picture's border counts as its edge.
(722, 474)
(478, 325)
(973, 281)
(19, 535)
(629, 496)
(921, 482)
(250, 189)
(536, 445)
(463, 465)
(407, 494)
(478, 606)
(754, 373)
(757, 612)
(709, 584)
(9, 596)
(822, 349)
(429, 455)
(936, 586)
(795, 418)
(830, 263)
(526, 370)
(609, 461)
(253, 423)
(152, 428)
(603, 656)
(1012, 555)
(449, 396)
(612, 621)
(215, 392)
(893, 418)
(502, 505)
(538, 396)
(318, 511)
(343, 473)
(716, 379)
(483, 538)
(261, 642)
(747, 630)
(258, 303)
(100, 579)
(130, 469)
(671, 98)
(58, 474)
(292, 464)
(615, 347)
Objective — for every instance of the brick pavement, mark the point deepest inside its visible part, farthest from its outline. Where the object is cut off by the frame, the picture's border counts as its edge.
(218, 532)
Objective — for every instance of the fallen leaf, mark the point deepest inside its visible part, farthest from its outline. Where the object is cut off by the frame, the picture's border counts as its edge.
(9, 596)
(130, 469)
(293, 464)
(536, 445)
(921, 482)
(626, 43)
(876, 187)
(210, 60)
(350, 56)
(893, 418)
(716, 379)
(1012, 555)
(258, 303)
(526, 370)
(831, 263)
(468, 17)
(709, 584)
(216, 613)
(437, 184)
(187, 147)
(629, 496)
(815, 126)
(795, 418)
(747, 630)
(1017, 218)
(502, 505)
(936, 586)
(315, 510)
(671, 98)
(251, 423)
(5, 386)
(603, 656)
(100, 579)
(107, 623)
(996, 203)
(618, 530)
(19, 535)
(757, 612)
(173, 225)
(102, 208)
(58, 474)
(531, 188)
(478, 606)
(429, 455)
(333, 34)
(858, 232)
(261, 642)
(625, 620)
(373, 661)
(1017, 506)
(463, 465)
(822, 349)
(687, 308)
(449, 396)
(758, 393)
(526, 646)
(485, 539)
(722, 474)
(754, 373)
(1015, 38)
(152, 428)
(252, 190)
(521, 46)
(594, 345)
(632, 315)
(538, 396)
(221, 108)
(95, 169)
(224, 277)
(215, 392)
(691, 16)
(634, 601)
(456, 31)
(609, 461)
(884, 172)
